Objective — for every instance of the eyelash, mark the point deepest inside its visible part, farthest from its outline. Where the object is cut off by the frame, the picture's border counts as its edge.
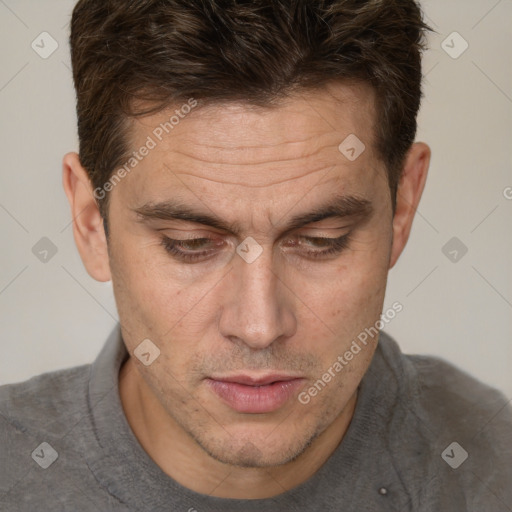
(336, 246)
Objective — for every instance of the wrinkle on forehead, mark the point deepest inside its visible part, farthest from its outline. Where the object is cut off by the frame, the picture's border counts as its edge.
(294, 144)
(321, 172)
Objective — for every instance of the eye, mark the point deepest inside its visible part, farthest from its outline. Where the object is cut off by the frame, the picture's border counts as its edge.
(320, 247)
(191, 249)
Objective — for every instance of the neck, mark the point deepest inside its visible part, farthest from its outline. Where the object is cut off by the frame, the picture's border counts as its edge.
(181, 458)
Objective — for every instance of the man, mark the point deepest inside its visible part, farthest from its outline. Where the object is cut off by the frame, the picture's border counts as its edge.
(247, 176)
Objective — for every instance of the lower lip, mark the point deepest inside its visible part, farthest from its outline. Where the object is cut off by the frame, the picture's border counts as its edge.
(255, 399)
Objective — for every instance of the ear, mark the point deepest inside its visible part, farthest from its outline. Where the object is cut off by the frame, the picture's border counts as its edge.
(410, 188)
(88, 228)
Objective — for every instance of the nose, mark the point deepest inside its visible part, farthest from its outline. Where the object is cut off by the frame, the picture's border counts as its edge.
(257, 307)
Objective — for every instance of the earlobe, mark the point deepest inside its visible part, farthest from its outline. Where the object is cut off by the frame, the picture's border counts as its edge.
(88, 228)
(408, 196)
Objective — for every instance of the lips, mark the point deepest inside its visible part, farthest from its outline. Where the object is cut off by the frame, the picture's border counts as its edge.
(255, 395)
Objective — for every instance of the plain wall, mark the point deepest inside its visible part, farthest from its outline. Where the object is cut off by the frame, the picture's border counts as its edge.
(53, 315)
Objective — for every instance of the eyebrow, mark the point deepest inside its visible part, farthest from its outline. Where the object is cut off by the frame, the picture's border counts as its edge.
(338, 207)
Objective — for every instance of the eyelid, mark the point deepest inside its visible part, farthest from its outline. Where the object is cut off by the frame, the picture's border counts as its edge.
(335, 247)
(321, 233)
(189, 233)
(198, 231)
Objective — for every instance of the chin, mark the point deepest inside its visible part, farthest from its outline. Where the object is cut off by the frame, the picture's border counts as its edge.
(257, 449)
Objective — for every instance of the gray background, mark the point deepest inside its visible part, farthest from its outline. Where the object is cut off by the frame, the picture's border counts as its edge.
(53, 315)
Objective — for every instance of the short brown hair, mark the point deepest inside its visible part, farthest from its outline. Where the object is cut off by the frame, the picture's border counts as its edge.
(164, 51)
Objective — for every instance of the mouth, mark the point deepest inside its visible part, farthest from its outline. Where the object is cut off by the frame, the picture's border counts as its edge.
(255, 394)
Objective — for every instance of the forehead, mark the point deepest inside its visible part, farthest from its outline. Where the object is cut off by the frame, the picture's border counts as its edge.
(234, 124)
(268, 150)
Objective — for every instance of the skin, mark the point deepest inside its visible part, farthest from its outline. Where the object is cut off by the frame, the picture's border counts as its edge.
(283, 312)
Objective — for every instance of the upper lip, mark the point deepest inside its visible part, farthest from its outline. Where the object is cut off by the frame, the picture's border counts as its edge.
(250, 380)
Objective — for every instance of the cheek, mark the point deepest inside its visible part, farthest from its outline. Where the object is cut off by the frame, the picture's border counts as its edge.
(147, 287)
(352, 292)
(345, 302)
(153, 304)
(363, 291)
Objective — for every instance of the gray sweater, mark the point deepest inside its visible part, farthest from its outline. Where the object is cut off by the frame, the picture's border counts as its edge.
(425, 437)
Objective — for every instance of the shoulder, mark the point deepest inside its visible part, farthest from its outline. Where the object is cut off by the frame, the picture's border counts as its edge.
(450, 397)
(440, 392)
(43, 409)
(33, 405)
(454, 427)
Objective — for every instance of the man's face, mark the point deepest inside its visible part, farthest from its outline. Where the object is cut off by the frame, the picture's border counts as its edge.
(242, 333)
